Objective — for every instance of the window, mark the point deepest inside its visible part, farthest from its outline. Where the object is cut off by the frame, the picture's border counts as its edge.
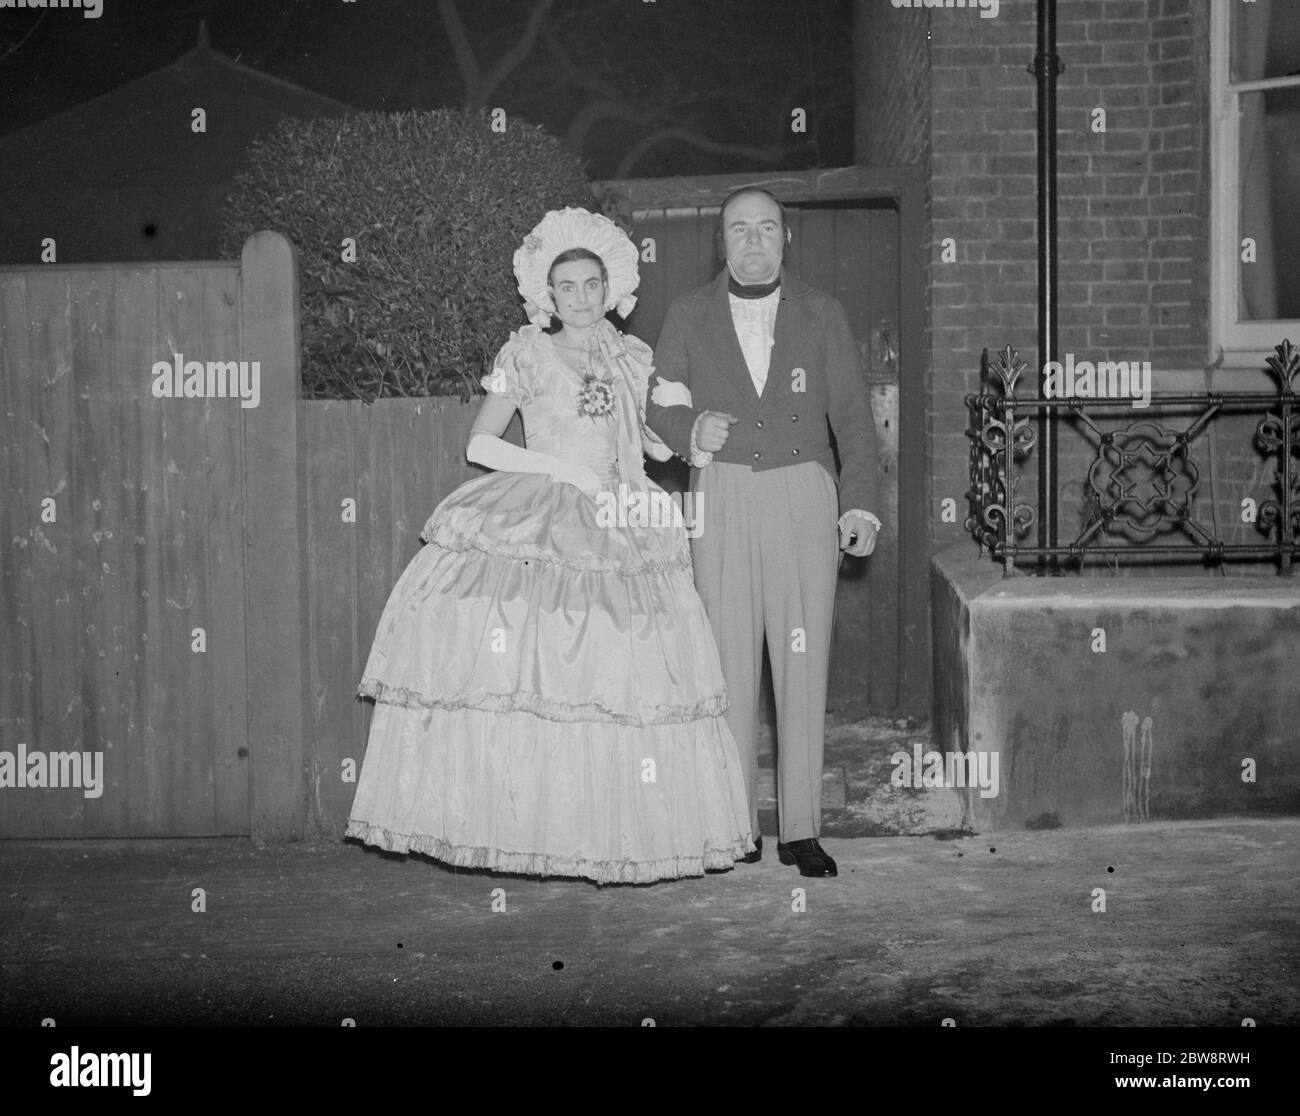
(1255, 162)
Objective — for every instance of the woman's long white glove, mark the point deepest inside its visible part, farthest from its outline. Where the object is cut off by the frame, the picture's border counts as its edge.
(496, 453)
(672, 393)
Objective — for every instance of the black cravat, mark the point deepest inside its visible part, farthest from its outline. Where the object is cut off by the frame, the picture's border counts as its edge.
(760, 290)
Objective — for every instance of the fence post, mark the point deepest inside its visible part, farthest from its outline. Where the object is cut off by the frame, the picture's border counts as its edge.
(275, 591)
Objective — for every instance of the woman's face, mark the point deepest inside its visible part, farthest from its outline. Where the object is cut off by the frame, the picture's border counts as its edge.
(579, 292)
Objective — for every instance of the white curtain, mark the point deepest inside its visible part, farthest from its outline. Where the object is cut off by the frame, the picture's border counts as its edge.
(1251, 25)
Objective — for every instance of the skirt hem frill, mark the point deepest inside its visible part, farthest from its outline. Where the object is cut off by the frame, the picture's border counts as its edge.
(715, 705)
(547, 864)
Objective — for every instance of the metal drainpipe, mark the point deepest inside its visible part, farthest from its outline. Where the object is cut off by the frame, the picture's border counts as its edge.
(1046, 67)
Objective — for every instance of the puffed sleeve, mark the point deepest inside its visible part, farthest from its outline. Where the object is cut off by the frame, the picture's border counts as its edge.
(514, 372)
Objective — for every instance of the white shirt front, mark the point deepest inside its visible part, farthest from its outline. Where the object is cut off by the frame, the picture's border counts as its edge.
(755, 323)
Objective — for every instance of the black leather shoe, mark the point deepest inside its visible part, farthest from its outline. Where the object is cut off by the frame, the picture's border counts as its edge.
(809, 855)
(756, 855)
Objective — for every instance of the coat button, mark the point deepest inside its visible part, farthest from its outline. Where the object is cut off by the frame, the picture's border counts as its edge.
(794, 418)
(794, 452)
(757, 456)
(759, 424)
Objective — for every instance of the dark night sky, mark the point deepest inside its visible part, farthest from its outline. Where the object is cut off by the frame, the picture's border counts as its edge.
(727, 70)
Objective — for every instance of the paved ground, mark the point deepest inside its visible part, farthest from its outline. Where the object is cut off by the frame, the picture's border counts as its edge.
(1199, 928)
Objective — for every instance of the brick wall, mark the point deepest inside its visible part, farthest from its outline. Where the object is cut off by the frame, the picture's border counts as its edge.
(891, 54)
(1133, 208)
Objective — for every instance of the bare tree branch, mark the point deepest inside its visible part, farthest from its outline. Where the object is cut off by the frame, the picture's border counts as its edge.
(516, 54)
(15, 48)
(460, 47)
(686, 135)
(479, 86)
(591, 114)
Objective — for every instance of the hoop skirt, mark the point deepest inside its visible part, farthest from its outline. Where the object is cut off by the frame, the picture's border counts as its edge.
(548, 692)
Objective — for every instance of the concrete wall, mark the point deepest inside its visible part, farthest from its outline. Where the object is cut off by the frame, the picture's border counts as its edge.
(1020, 672)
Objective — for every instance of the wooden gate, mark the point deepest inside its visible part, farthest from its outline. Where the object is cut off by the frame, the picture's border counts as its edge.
(857, 234)
(150, 611)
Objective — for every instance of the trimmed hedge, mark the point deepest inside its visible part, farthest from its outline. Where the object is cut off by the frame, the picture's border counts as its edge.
(437, 203)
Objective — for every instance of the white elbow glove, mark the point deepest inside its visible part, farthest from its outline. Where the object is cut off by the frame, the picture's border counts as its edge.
(496, 453)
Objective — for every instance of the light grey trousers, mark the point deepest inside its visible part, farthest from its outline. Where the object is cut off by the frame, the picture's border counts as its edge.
(766, 559)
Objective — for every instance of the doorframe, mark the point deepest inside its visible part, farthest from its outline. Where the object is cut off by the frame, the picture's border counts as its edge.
(905, 187)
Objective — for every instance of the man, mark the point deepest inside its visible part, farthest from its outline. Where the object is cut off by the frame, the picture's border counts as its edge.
(769, 361)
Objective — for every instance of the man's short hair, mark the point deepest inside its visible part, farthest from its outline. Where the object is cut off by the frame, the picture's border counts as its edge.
(719, 232)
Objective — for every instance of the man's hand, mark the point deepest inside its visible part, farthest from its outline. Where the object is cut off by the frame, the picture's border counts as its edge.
(857, 536)
(713, 429)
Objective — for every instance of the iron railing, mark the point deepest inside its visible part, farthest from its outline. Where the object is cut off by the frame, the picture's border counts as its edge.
(1143, 480)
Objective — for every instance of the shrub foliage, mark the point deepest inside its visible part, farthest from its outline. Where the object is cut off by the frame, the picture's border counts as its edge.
(437, 202)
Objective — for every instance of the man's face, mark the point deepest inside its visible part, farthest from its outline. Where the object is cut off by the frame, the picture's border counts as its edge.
(754, 238)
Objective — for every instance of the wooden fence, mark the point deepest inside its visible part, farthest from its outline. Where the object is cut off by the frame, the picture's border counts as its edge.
(373, 475)
(189, 586)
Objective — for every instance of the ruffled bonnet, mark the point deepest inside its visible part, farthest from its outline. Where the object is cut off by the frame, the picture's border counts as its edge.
(557, 232)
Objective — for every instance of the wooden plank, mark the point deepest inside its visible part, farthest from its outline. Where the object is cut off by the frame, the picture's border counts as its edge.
(276, 593)
(854, 265)
(158, 635)
(88, 455)
(914, 508)
(22, 608)
(373, 542)
(813, 246)
(652, 295)
(224, 530)
(685, 248)
(837, 241)
(15, 568)
(134, 348)
(56, 612)
(98, 305)
(181, 758)
(329, 568)
(365, 617)
(136, 337)
(412, 472)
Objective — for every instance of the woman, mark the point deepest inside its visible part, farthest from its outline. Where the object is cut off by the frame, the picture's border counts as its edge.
(548, 694)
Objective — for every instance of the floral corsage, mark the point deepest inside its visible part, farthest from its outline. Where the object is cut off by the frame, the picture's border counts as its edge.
(595, 397)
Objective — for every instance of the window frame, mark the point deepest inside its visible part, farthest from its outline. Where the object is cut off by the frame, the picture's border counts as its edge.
(1238, 342)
